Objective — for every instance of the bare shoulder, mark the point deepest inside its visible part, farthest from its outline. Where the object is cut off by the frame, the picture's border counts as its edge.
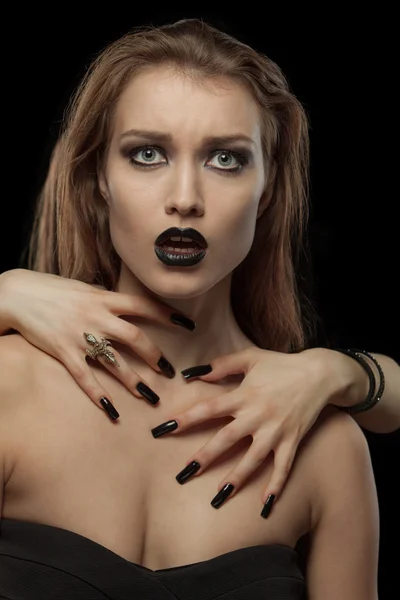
(23, 369)
(334, 439)
(16, 361)
(26, 374)
(30, 381)
(20, 362)
(344, 538)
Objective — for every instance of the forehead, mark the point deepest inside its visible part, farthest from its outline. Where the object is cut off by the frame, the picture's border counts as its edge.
(163, 99)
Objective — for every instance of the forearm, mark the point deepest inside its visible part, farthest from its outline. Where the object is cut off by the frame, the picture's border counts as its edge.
(353, 387)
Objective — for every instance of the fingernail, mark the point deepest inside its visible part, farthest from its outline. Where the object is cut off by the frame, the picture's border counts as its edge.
(183, 321)
(166, 367)
(196, 371)
(164, 428)
(188, 471)
(147, 392)
(267, 506)
(222, 495)
(109, 408)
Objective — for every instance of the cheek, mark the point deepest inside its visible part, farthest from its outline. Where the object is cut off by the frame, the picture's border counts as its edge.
(242, 222)
(127, 193)
(126, 219)
(235, 230)
(129, 206)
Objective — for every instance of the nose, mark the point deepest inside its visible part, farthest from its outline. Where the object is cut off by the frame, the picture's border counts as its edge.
(185, 195)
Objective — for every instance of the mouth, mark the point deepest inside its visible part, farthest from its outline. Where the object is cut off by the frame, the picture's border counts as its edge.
(179, 246)
(181, 237)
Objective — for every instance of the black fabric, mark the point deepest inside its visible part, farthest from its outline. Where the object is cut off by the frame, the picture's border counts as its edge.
(42, 562)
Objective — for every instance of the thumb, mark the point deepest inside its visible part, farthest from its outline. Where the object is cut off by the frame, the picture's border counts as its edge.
(228, 364)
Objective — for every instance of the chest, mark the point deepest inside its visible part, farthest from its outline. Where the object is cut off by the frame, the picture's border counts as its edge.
(115, 484)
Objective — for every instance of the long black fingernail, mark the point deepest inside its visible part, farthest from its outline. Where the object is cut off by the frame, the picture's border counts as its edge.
(222, 495)
(188, 471)
(196, 371)
(268, 506)
(147, 392)
(164, 428)
(183, 321)
(109, 408)
(166, 367)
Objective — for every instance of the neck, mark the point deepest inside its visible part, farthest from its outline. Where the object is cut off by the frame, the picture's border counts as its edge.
(216, 333)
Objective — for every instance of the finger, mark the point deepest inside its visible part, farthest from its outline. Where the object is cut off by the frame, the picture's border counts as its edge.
(251, 460)
(222, 366)
(125, 304)
(222, 441)
(133, 337)
(88, 382)
(283, 461)
(128, 377)
(211, 408)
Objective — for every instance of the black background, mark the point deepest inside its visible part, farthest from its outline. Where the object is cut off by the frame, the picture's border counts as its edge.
(341, 65)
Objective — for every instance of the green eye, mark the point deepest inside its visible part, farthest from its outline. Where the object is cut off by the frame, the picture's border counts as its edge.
(228, 161)
(146, 156)
(223, 160)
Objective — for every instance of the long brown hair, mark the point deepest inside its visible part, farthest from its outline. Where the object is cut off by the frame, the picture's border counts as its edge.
(71, 236)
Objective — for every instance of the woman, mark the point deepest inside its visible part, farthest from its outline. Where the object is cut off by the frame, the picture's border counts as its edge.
(180, 176)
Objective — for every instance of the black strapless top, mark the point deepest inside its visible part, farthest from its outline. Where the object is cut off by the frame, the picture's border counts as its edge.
(42, 562)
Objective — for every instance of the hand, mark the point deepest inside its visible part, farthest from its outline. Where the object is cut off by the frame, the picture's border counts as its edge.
(276, 403)
(53, 312)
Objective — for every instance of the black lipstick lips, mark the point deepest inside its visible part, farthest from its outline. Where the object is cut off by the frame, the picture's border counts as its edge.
(187, 232)
(180, 259)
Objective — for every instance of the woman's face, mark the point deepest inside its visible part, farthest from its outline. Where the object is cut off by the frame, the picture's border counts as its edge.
(170, 164)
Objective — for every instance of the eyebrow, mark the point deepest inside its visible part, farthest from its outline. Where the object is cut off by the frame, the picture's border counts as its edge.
(219, 140)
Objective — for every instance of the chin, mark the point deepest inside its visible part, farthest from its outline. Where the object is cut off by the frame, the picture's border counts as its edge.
(177, 282)
(171, 291)
(177, 285)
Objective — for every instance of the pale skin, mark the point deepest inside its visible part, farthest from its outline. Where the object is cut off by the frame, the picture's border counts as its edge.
(182, 192)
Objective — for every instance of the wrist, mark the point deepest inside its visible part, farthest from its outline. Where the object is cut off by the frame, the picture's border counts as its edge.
(346, 380)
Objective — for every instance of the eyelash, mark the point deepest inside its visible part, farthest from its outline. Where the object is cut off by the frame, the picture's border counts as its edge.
(242, 158)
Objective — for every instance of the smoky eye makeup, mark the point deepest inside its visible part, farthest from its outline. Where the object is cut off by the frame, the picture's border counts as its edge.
(221, 161)
(146, 156)
(150, 156)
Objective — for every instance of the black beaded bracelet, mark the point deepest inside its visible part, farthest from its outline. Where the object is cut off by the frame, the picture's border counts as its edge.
(370, 400)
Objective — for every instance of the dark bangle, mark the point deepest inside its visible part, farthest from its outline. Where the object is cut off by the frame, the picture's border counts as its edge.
(370, 400)
(381, 387)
